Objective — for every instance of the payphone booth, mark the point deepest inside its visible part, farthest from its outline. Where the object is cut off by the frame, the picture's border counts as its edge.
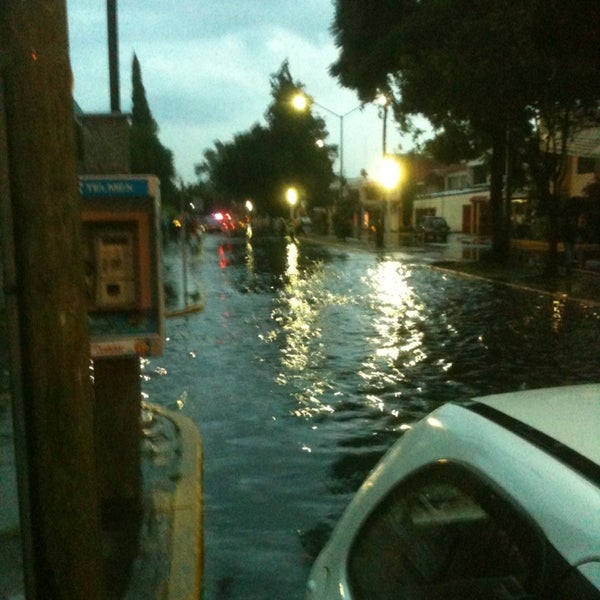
(120, 231)
(121, 254)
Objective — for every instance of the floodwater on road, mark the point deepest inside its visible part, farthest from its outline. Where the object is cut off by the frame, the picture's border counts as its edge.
(306, 364)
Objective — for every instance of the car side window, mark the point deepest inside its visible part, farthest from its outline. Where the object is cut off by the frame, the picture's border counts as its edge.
(582, 583)
(445, 533)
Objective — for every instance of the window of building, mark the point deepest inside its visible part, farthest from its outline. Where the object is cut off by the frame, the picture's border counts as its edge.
(479, 174)
(445, 534)
(457, 181)
(585, 164)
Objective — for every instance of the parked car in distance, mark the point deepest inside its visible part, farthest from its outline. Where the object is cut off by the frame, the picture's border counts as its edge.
(211, 224)
(218, 222)
(434, 229)
(495, 498)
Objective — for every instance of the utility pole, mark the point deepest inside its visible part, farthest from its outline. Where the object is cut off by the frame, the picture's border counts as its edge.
(113, 55)
(53, 406)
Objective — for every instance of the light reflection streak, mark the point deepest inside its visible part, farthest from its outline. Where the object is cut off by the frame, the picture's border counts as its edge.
(223, 262)
(376, 402)
(398, 343)
(292, 262)
(435, 423)
(297, 316)
(250, 260)
(558, 312)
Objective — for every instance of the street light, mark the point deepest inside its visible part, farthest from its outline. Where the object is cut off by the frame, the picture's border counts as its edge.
(389, 176)
(292, 197)
(389, 173)
(301, 102)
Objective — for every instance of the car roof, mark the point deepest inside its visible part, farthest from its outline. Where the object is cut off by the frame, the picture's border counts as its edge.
(569, 414)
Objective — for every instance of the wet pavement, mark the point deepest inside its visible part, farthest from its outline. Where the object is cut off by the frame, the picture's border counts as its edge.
(307, 363)
(301, 371)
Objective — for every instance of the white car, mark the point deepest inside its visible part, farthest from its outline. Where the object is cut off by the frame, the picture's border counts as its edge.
(497, 498)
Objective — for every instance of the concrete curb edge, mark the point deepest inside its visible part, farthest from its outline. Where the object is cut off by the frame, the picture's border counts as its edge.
(187, 548)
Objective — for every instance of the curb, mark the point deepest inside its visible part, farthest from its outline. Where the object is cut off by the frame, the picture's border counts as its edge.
(557, 294)
(188, 310)
(187, 548)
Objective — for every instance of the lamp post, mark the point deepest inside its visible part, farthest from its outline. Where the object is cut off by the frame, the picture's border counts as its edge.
(301, 102)
(384, 102)
(389, 177)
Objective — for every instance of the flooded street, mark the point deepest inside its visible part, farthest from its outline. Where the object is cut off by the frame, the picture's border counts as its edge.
(306, 364)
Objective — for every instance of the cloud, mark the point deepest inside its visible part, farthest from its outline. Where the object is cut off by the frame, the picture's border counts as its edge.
(206, 67)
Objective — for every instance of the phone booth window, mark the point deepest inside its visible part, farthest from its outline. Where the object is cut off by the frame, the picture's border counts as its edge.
(444, 533)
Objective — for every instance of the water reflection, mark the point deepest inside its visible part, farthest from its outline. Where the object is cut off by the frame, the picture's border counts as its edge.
(296, 316)
(310, 364)
(250, 259)
(223, 260)
(292, 263)
(392, 296)
(558, 312)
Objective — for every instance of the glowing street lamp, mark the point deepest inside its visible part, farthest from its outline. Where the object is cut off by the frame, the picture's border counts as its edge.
(389, 173)
(292, 197)
(300, 102)
(389, 177)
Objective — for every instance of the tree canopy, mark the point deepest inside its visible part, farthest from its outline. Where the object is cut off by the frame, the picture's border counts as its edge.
(261, 163)
(494, 74)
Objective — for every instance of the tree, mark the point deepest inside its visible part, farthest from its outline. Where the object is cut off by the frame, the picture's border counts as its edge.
(430, 53)
(489, 68)
(565, 99)
(242, 168)
(263, 161)
(148, 155)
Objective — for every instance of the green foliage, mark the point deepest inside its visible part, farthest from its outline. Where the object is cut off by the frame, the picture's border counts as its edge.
(262, 163)
(455, 142)
(148, 155)
(499, 74)
(364, 32)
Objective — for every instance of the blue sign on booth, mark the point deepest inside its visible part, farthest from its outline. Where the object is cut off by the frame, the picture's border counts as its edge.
(121, 187)
(121, 255)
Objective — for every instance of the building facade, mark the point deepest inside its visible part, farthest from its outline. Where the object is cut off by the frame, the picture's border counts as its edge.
(461, 193)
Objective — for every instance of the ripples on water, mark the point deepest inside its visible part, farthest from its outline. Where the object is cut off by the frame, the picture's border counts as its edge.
(308, 363)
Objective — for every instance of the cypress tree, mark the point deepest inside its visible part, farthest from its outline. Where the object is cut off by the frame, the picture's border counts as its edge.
(148, 155)
(140, 111)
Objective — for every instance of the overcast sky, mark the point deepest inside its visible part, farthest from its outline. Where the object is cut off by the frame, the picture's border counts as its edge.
(206, 66)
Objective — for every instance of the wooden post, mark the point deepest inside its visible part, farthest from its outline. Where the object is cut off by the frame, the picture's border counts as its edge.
(117, 411)
(54, 346)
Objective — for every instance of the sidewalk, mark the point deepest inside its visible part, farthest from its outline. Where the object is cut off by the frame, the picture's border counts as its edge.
(461, 256)
(162, 558)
